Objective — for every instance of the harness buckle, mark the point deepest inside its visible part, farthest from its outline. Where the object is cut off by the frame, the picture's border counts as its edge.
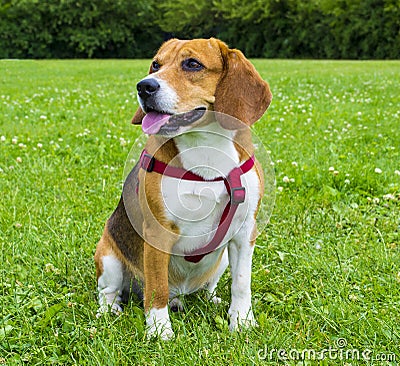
(238, 195)
(147, 162)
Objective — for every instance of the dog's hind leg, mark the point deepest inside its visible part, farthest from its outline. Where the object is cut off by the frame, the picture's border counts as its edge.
(111, 278)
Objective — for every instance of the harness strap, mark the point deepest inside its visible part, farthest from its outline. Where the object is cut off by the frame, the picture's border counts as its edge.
(233, 186)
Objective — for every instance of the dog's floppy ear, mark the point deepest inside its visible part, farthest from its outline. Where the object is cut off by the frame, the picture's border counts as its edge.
(137, 118)
(241, 92)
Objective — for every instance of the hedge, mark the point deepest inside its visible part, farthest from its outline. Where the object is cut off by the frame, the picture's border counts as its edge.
(340, 29)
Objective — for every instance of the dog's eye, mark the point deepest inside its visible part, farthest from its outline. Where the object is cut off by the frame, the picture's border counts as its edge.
(155, 66)
(192, 64)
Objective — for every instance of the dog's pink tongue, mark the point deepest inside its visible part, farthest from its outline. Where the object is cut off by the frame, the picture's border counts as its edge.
(153, 121)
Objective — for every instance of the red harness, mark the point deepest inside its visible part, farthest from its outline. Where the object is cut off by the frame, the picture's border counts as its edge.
(233, 186)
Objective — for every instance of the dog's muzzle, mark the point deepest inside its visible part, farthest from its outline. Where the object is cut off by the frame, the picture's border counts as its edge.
(147, 88)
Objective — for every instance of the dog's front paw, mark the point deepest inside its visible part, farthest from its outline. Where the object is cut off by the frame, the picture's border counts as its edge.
(241, 318)
(105, 308)
(109, 302)
(158, 324)
(162, 331)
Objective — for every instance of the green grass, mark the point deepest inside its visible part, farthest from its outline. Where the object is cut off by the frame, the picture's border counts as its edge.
(326, 267)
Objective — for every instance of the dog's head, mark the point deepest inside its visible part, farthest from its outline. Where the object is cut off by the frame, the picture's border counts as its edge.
(187, 78)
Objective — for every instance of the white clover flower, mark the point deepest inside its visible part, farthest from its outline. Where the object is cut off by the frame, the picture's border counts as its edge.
(49, 267)
(39, 145)
(3, 138)
(18, 160)
(294, 164)
(347, 181)
(280, 189)
(389, 196)
(286, 179)
(397, 172)
(331, 169)
(378, 171)
(353, 297)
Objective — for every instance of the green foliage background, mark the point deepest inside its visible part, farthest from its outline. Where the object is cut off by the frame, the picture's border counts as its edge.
(339, 29)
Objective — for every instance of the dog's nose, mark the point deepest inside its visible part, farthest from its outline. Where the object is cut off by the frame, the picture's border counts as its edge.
(147, 87)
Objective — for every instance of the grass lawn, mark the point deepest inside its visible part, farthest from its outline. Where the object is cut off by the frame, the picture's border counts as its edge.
(326, 271)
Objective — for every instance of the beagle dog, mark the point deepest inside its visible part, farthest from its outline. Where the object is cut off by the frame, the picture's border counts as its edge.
(188, 207)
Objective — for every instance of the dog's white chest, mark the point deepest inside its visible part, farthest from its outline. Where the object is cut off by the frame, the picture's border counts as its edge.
(192, 202)
(196, 208)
